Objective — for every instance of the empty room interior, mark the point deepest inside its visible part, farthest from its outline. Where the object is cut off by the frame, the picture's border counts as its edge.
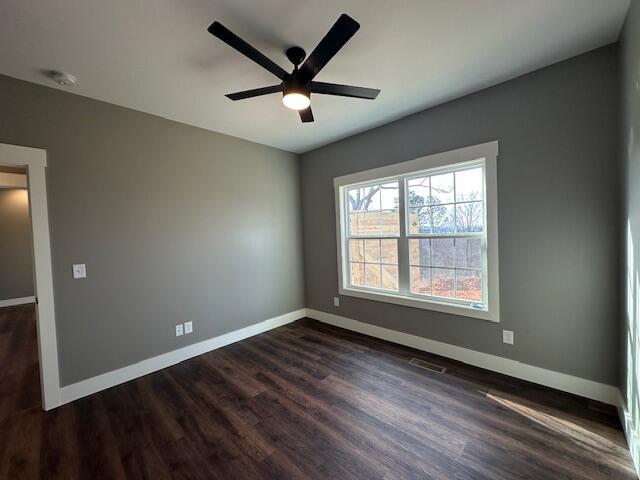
(320, 240)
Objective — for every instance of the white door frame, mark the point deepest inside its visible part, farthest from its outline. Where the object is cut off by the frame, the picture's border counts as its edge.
(35, 160)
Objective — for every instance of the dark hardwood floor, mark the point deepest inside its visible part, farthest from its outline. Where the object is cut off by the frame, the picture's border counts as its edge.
(19, 373)
(304, 401)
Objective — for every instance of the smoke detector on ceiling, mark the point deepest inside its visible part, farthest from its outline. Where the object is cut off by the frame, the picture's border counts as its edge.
(63, 78)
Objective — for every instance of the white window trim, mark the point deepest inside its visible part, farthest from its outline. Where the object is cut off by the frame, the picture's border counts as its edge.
(488, 151)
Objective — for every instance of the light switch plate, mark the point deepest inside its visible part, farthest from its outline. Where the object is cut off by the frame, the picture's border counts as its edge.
(179, 330)
(507, 336)
(188, 327)
(79, 271)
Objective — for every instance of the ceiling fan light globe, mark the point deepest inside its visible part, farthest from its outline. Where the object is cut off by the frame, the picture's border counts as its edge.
(296, 101)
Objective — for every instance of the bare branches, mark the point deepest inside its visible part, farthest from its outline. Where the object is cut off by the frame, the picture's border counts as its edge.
(362, 202)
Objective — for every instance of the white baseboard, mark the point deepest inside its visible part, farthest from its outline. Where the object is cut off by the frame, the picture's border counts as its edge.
(92, 385)
(17, 301)
(560, 381)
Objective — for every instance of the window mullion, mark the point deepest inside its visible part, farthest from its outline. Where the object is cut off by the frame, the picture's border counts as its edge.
(403, 242)
(455, 229)
(455, 265)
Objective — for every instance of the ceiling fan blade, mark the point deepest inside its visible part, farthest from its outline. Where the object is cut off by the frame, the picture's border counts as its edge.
(306, 115)
(256, 92)
(227, 36)
(344, 90)
(344, 28)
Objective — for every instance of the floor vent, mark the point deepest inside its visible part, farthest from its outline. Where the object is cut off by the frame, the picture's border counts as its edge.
(427, 366)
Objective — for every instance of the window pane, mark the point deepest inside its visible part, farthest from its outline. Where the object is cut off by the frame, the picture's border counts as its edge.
(469, 217)
(389, 196)
(371, 198)
(420, 281)
(389, 252)
(357, 250)
(442, 188)
(425, 220)
(413, 182)
(413, 218)
(390, 222)
(356, 224)
(354, 196)
(373, 210)
(390, 277)
(419, 220)
(469, 285)
(418, 191)
(442, 218)
(443, 282)
(364, 199)
(469, 185)
(420, 252)
(442, 252)
(372, 275)
(357, 274)
(469, 253)
(372, 223)
(372, 251)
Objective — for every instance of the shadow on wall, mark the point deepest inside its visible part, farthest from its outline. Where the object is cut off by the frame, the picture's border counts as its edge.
(632, 397)
(630, 381)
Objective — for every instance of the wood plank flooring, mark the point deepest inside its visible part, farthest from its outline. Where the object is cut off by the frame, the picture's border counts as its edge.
(304, 401)
(19, 373)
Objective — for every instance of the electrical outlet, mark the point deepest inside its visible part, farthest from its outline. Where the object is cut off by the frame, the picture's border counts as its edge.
(79, 271)
(336, 301)
(507, 336)
(179, 330)
(188, 327)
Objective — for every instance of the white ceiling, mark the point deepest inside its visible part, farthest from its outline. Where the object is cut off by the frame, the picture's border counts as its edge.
(156, 55)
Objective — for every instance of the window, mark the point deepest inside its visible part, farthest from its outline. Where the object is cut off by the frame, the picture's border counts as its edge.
(374, 228)
(423, 233)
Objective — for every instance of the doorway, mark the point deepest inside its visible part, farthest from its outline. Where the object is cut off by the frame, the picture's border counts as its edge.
(19, 378)
(36, 311)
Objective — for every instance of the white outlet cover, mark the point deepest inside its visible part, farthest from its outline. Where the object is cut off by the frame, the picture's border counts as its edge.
(188, 327)
(336, 301)
(507, 336)
(179, 330)
(79, 271)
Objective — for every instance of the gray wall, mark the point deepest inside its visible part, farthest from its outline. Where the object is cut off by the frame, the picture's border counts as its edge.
(558, 198)
(630, 57)
(173, 222)
(16, 279)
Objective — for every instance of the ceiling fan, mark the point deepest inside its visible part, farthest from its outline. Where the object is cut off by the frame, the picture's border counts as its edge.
(297, 86)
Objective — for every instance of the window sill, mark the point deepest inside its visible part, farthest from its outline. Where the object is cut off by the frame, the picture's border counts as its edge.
(399, 299)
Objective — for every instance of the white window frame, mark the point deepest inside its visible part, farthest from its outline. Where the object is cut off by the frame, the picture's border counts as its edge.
(428, 165)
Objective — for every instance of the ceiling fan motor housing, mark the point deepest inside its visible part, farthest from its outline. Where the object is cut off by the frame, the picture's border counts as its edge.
(292, 84)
